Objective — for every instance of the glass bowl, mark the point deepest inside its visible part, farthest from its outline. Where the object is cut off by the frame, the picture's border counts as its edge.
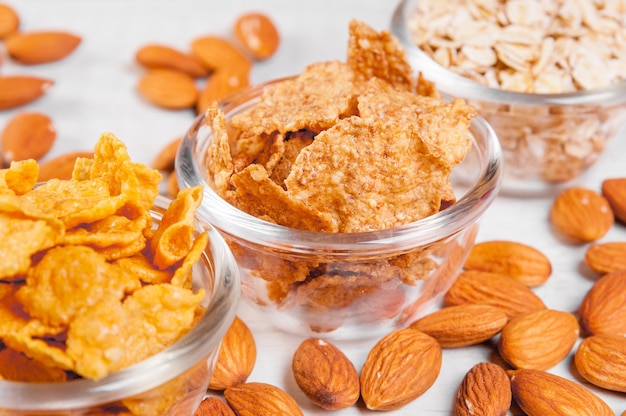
(346, 285)
(172, 382)
(548, 140)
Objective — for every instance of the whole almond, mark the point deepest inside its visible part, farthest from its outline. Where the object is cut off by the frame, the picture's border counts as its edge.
(236, 358)
(581, 215)
(517, 260)
(539, 393)
(213, 406)
(169, 89)
(538, 340)
(614, 190)
(155, 56)
(261, 399)
(462, 325)
(9, 20)
(61, 166)
(27, 135)
(220, 84)
(601, 360)
(18, 90)
(216, 53)
(399, 368)
(603, 308)
(325, 375)
(606, 257)
(257, 34)
(485, 390)
(41, 47)
(513, 297)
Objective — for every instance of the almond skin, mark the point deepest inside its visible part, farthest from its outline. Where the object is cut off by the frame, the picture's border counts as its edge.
(325, 375)
(519, 261)
(258, 35)
(513, 297)
(219, 85)
(155, 56)
(462, 325)
(33, 48)
(18, 90)
(9, 20)
(538, 340)
(62, 166)
(581, 215)
(169, 89)
(261, 399)
(606, 257)
(539, 393)
(601, 360)
(164, 160)
(27, 135)
(217, 53)
(399, 368)
(603, 308)
(212, 406)
(236, 358)
(614, 190)
(485, 390)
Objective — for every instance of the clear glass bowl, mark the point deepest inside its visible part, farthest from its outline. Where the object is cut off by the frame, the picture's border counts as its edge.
(346, 285)
(172, 382)
(548, 140)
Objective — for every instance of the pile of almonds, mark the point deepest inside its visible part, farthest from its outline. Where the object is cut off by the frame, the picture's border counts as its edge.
(492, 301)
(214, 67)
(29, 134)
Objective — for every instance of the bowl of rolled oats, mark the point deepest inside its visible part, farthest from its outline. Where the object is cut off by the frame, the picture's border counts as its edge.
(549, 76)
(350, 194)
(116, 299)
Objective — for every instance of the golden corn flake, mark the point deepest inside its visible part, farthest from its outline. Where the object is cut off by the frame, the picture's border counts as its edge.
(182, 276)
(70, 279)
(21, 176)
(219, 159)
(141, 267)
(113, 335)
(173, 239)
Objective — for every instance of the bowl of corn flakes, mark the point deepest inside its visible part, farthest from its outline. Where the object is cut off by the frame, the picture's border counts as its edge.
(113, 299)
(350, 194)
(549, 76)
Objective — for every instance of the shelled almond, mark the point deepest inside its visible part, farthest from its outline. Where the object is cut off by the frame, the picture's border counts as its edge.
(538, 340)
(399, 368)
(606, 257)
(603, 308)
(517, 260)
(485, 390)
(27, 135)
(39, 47)
(614, 190)
(18, 90)
(325, 375)
(601, 360)
(261, 399)
(236, 358)
(581, 215)
(9, 20)
(511, 296)
(539, 393)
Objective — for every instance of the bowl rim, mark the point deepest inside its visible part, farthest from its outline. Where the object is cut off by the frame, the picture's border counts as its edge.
(242, 226)
(158, 369)
(460, 86)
